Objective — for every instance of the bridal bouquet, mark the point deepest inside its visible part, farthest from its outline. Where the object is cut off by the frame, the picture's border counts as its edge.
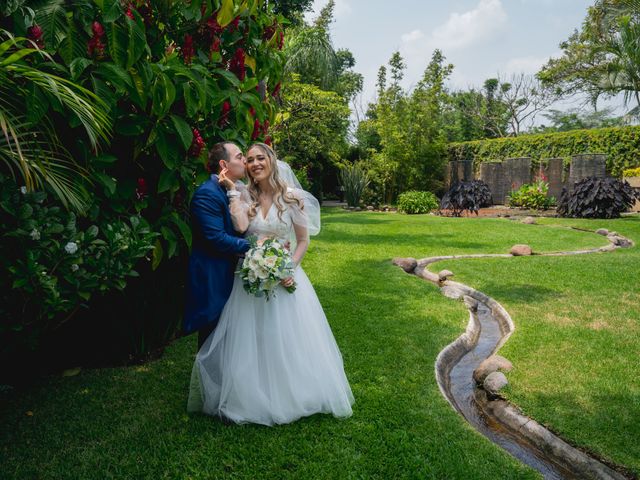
(264, 265)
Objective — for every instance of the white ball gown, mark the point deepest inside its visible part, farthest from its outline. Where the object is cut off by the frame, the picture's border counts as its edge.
(271, 362)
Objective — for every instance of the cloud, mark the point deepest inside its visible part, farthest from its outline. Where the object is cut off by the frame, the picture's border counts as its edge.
(462, 30)
(529, 65)
(413, 36)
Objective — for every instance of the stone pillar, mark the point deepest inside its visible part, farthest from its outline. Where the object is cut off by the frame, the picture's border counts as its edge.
(491, 174)
(516, 172)
(588, 165)
(459, 171)
(554, 172)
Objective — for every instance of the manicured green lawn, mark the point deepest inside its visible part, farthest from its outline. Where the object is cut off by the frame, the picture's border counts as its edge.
(576, 348)
(131, 422)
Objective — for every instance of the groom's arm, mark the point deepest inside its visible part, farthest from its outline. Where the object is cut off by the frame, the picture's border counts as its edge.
(208, 210)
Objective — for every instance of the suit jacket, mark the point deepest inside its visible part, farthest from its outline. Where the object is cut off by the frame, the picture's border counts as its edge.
(214, 254)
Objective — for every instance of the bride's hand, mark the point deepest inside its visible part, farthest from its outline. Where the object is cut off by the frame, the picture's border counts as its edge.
(287, 282)
(225, 181)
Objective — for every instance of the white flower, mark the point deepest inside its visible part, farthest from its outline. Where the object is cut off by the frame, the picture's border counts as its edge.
(262, 274)
(270, 261)
(74, 267)
(251, 276)
(35, 234)
(23, 190)
(276, 245)
(71, 247)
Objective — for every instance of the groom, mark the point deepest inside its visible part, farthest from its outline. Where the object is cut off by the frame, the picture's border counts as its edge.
(215, 247)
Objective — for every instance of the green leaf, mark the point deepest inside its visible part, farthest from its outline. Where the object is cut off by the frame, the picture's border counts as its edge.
(132, 125)
(25, 211)
(168, 180)
(111, 10)
(107, 182)
(157, 254)
(183, 227)
(225, 14)
(37, 104)
(167, 148)
(164, 94)
(191, 99)
(184, 130)
(228, 76)
(104, 160)
(115, 74)
(77, 66)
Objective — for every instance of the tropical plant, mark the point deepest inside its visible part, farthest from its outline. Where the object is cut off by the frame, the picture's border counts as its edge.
(595, 197)
(469, 196)
(414, 202)
(354, 179)
(32, 93)
(532, 196)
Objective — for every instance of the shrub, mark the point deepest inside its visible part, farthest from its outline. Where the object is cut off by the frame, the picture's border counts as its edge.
(354, 180)
(417, 202)
(631, 172)
(532, 196)
(595, 197)
(466, 196)
(620, 144)
(56, 264)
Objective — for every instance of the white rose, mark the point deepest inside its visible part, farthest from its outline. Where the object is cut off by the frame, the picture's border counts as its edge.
(262, 274)
(251, 276)
(74, 267)
(71, 247)
(270, 261)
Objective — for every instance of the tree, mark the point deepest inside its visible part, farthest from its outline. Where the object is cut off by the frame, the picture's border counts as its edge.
(577, 119)
(311, 131)
(30, 144)
(603, 58)
(524, 97)
(410, 129)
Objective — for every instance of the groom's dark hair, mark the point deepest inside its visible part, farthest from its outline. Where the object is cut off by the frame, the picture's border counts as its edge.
(218, 152)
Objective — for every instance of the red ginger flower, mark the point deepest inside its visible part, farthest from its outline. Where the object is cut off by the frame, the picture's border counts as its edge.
(214, 26)
(267, 140)
(96, 45)
(129, 13)
(256, 130)
(187, 49)
(142, 189)
(35, 33)
(224, 116)
(276, 90)
(197, 144)
(236, 64)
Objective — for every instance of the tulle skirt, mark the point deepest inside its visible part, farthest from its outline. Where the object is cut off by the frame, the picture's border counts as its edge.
(270, 362)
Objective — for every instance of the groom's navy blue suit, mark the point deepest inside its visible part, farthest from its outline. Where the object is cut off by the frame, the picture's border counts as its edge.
(214, 254)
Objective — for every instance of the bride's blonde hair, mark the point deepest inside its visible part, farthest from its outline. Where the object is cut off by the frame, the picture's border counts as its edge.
(280, 194)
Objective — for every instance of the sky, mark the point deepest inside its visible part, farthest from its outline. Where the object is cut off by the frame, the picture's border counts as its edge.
(481, 38)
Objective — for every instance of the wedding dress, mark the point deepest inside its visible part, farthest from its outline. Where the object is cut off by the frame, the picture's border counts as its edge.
(271, 362)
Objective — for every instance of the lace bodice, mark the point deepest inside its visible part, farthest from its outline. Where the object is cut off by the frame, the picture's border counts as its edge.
(272, 225)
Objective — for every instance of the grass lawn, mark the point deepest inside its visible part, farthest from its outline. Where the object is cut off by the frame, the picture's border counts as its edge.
(576, 348)
(131, 422)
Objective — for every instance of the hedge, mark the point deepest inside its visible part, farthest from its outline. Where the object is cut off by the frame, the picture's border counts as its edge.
(620, 144)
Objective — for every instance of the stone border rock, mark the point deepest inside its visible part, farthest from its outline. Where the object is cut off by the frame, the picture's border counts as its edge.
(526, 430)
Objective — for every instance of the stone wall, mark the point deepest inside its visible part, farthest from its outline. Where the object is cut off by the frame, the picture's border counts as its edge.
(512, 173)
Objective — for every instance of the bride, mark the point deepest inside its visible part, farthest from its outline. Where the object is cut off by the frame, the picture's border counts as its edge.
(271, 362)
